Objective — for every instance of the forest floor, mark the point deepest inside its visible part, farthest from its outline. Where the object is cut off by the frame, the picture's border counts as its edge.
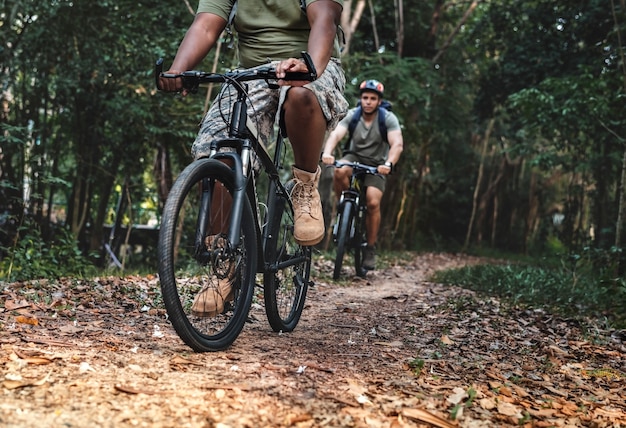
(390, 350)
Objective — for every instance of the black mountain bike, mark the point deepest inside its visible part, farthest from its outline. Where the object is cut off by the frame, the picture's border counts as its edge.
(349, 232)
(214, 227)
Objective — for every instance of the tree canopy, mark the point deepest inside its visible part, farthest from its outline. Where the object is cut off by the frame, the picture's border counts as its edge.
(512, 114)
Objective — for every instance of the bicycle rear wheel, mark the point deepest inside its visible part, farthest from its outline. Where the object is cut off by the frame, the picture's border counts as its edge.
(197, 261)
(287, 271)
(344, 221)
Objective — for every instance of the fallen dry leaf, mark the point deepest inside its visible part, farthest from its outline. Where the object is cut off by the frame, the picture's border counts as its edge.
(509, 409)
(11, 305)
(426, 416)
(459, 394)
(32, 359)
(178, 360)
(14, 384)
(131, 390)
(446, 340)
(26, 320)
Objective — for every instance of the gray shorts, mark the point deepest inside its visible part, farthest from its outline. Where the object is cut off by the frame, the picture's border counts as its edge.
(376, 181)
(265, 102)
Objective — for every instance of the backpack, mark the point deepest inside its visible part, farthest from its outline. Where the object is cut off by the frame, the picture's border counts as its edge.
(384, 107)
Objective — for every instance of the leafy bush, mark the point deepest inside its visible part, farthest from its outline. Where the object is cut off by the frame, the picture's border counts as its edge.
(31, 257)
(573, 289)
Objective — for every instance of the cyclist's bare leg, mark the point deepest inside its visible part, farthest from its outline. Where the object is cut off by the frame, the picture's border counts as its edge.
(220, 208)
(220, 211)
(305, 124)
(341, 180)
(372, 219)
(306, 127)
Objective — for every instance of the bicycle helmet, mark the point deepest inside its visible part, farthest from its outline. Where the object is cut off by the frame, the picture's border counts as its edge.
(372, 85)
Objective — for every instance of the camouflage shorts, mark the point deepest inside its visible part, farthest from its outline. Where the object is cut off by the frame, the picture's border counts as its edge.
(265, 102)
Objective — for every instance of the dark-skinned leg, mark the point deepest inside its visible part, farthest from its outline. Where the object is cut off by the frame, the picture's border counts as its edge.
(306, 127)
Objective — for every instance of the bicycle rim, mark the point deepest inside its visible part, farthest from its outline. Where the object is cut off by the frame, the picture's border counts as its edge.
(343, 236)
(287, 272)
(197, 267)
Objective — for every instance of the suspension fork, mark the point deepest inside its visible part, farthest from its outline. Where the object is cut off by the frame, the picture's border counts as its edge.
(239, 163)
(206, 195)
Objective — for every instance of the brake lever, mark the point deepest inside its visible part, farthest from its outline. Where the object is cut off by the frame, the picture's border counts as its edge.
(158, 69)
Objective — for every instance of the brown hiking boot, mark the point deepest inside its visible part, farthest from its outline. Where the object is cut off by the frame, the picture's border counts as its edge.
(369, 258)
(209, 302)
(307, 207)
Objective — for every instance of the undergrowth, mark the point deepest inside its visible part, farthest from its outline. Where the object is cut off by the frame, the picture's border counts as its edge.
(574, 288)
(30, 257)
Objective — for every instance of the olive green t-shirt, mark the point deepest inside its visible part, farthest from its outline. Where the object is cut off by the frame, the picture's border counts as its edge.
(367, 141)
(266, 29)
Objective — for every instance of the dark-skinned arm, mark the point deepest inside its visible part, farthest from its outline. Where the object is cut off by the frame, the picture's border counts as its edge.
(324, 17)
(198, 41)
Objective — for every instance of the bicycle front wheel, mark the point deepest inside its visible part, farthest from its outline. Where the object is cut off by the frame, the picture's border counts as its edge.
(287, 270)
(344, 221)
(207, 282)
(360, 242)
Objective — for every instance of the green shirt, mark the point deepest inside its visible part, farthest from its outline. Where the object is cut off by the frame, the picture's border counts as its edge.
(267, 30)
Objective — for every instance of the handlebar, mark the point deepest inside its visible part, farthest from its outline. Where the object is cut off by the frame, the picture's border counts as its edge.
(192, 79)
(358, 167)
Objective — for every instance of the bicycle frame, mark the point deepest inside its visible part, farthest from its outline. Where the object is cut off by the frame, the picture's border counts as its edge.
(230, 238)
(349, 230)
(355, 193)
(356, 189)
(246, 146)
(241, 161)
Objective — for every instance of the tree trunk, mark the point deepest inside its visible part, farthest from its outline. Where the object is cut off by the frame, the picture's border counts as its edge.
(481, 170)
(374, 29)
(460, 24)
(400, 26)
(621, 212)
(350, 21)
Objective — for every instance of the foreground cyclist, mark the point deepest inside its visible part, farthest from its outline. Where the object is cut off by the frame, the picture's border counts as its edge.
(276, 32)
(367, 146)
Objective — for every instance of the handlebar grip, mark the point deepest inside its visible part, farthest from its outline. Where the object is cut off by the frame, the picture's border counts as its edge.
(158, 69)
(300, 75)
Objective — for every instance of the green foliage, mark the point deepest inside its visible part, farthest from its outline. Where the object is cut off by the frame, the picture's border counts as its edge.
(32, 258)
(82, 115)
(82, 106)
(416, 365)
(572, 289)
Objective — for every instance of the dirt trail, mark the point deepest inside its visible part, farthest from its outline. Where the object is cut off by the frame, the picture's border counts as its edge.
(392, 350)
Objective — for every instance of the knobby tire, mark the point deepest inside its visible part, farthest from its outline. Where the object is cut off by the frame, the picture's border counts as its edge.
(183, 274)
(345, 219)
(288, 268)
(359, 244)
